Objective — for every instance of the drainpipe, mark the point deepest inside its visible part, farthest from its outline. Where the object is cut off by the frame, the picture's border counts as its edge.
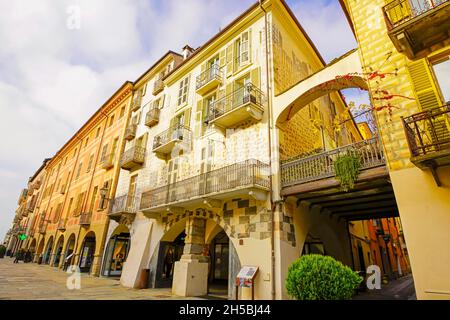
(273, 204)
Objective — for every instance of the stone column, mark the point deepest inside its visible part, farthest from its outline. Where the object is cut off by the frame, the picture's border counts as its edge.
(96, 265)
(190, 277)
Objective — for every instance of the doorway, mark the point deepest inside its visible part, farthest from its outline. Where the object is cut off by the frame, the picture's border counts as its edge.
(87, 253)
(169, 253)
(116, 254)
(219, 252)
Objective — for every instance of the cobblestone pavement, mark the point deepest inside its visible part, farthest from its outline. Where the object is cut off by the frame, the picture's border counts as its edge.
(31, 281)
(400, 289)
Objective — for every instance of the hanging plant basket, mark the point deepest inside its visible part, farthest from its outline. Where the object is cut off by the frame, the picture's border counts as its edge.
(346, 168)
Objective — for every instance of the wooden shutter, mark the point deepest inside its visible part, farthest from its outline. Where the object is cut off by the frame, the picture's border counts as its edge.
(398, 12)
(187, 117)
(427, 93)
(222, 58)
(229, 59)
(198, 119)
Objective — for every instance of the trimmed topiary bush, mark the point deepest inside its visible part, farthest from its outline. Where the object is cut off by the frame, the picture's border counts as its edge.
(316, 277)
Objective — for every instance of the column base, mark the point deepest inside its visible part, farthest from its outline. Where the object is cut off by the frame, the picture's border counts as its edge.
(190, 278)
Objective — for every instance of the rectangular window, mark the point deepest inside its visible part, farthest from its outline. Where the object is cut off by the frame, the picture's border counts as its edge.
(91, 160)
(70, 207)
(183, 91)
(114, 147)
(442, 72)
(111, 120)
(86, 143)
(122, 111)
(79, 170)
(94, 196)
(104, 150)
(98, 133)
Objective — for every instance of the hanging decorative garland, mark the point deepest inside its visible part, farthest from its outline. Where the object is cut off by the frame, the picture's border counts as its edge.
(346, 168)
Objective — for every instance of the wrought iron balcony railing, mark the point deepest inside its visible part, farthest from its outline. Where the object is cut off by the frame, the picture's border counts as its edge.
(43, 227)
(152, 117)
(173, 134)
(247, 174)
(428, 134)
(85, 218)
(62, 224)
(158, 86)
(401, 11)
(213, 75)
(132, 158)
(242, 97)
(108, 161)
(130, 132)
(417, 26)
(321, 165)
(123, 205)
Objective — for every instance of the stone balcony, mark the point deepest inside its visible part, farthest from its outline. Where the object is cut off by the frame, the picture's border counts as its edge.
(241, 105)
(123, 208)
(416, 26)
(152, 117)
(209, 79)
(210, 189)
(133, 158)
(428, 136)
(164, 142)
(130, 132)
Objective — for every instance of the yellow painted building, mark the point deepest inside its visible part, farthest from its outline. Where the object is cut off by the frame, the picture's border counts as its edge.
(408, 43)
(81, 179)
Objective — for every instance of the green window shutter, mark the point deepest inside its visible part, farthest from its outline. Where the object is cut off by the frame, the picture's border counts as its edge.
(198, 119)
(230, 63)
(255, 77)
(427, 93)
(187, 117)
(222, 58)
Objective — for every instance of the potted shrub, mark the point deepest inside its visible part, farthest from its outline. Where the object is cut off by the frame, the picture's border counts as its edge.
(317, 277)
(2, 251)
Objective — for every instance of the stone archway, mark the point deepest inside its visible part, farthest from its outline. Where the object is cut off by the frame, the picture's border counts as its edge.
(69, 250)
(58, 251)
(87, 252)
(343, 73)
(48, 251)
(116, 252)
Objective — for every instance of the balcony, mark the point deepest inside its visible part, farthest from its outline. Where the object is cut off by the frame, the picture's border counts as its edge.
(43, 227)
(320, 166)
(123, 208)
(62, 225)
(164, 142)
(158, 87)
(85, 219)
(241, 105)
(130, 132)
(132, 158)
(152, 117)
(428, 136)
(209, 79)
(243, 178)
(108, 161)
(415, 26)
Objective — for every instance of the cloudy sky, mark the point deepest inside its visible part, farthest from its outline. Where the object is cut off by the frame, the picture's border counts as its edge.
(52, 78)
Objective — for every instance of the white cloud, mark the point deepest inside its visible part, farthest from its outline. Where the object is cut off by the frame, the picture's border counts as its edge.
(53, 78)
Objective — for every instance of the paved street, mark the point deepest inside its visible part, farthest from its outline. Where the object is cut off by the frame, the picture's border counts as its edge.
(41, 282)
(400, 289)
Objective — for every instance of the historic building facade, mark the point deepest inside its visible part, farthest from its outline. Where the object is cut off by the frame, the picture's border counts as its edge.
(407, 42)
(70, 216)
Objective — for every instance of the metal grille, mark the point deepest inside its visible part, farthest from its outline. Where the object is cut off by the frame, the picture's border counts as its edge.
(247, 94)
(248, 173)
(428, 131)
(321, 165)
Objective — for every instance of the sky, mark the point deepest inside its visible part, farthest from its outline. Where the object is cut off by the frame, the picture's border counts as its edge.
(57, 70)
